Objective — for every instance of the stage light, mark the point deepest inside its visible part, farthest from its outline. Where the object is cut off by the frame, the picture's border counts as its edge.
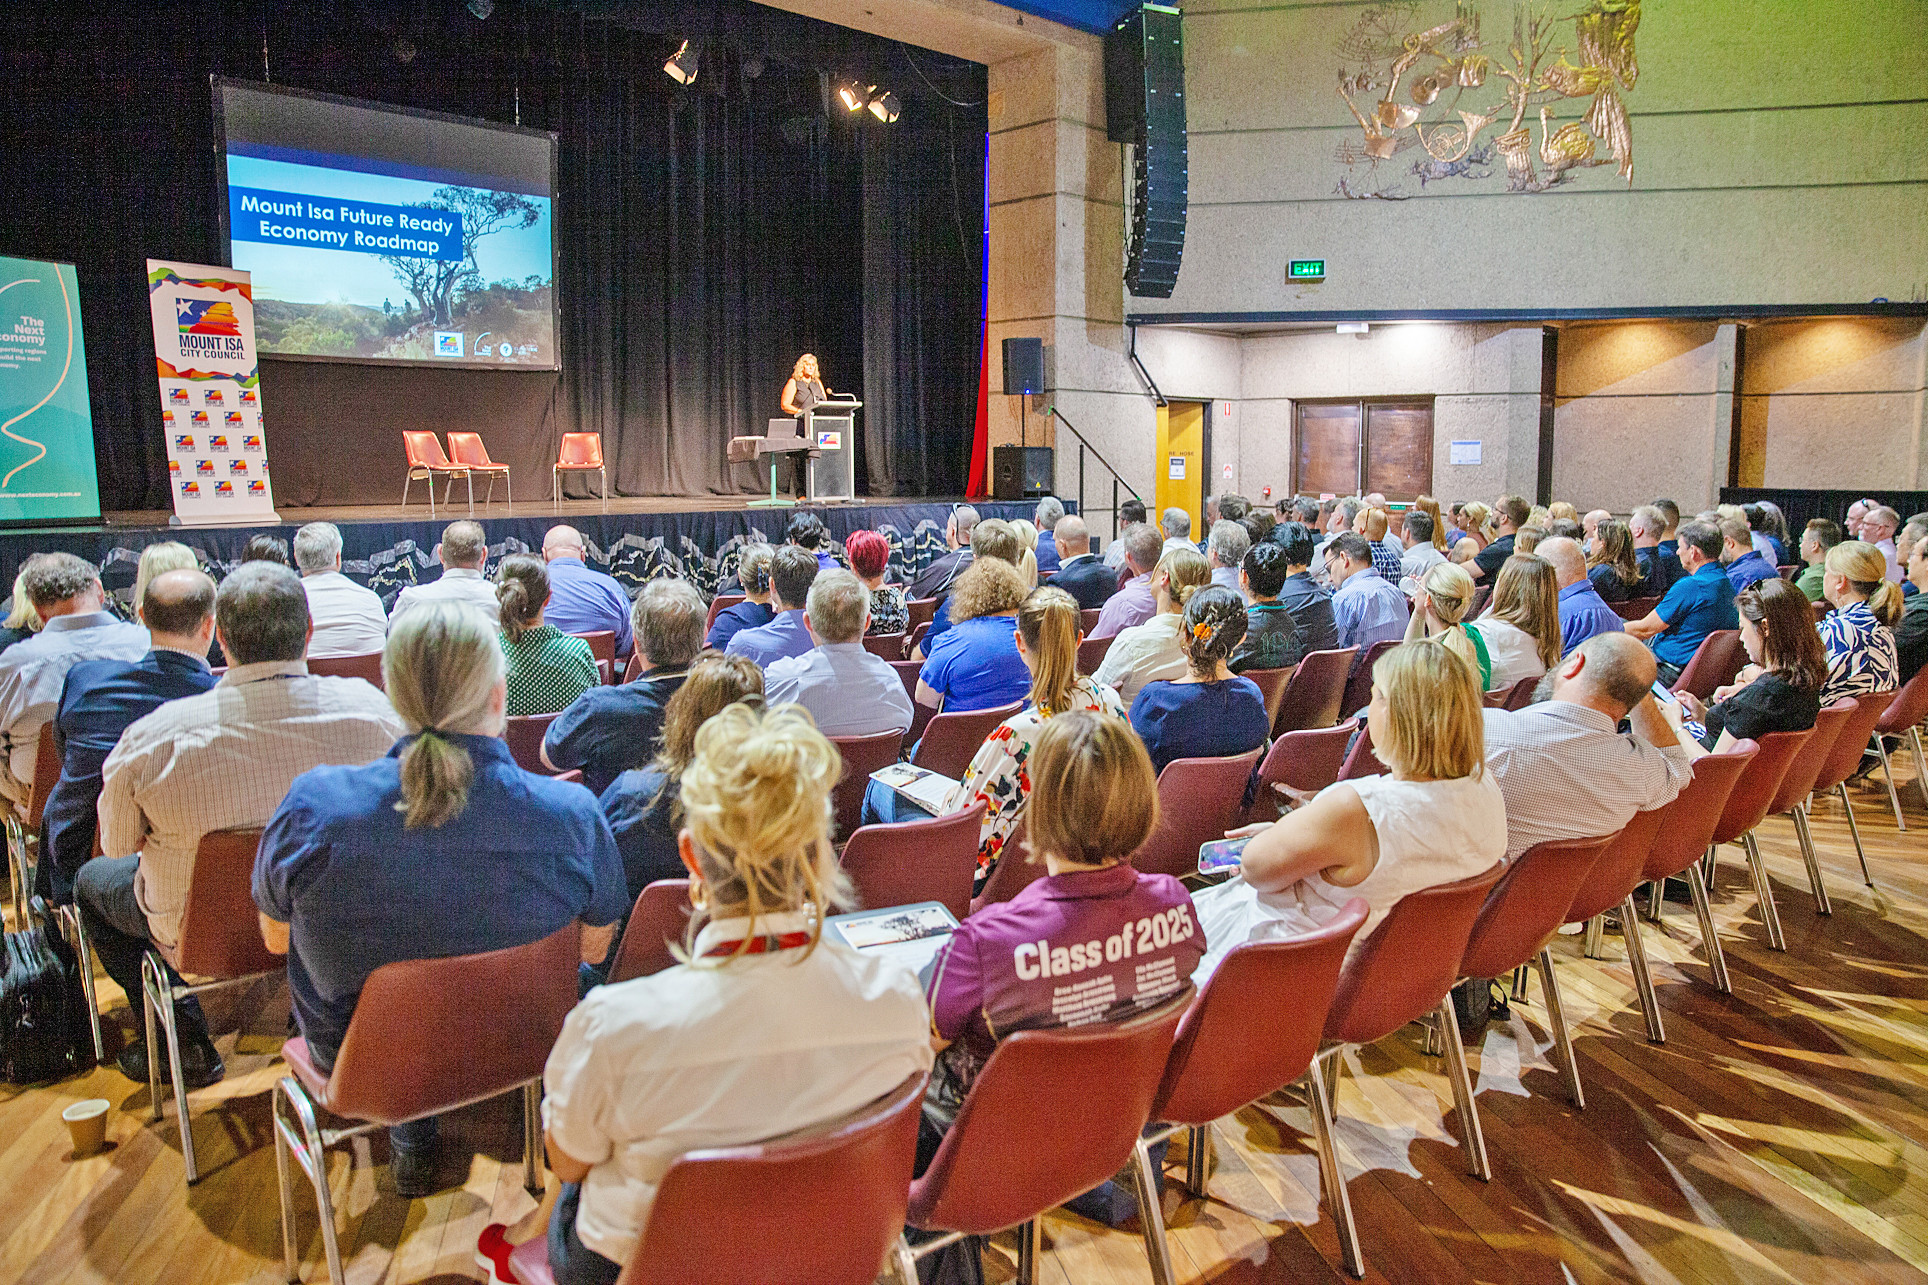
(853, 95)
(681, 66)
(482, 8)
(885, 107)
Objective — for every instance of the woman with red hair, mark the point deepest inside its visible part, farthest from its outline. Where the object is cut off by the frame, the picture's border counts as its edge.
(869, 555)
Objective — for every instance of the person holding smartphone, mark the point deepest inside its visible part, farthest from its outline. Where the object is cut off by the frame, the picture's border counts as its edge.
(1780, 689)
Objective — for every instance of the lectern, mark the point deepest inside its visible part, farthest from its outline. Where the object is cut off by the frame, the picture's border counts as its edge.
(830, 427)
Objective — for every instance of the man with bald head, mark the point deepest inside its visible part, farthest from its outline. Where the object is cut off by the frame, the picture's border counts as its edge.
(1583, 612)
(582, 600)
(1084, 577)
(1590, 523)
(99, 700)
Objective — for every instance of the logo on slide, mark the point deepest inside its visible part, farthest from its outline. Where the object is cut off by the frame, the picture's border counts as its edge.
(212, 397)
(224, 490)
(191, 489)
(177, 396)
(182, 442)
(217, 443)
(207, 317)
(238, 466)
(204, 468)
(257, 488)
(448, 343)
(251, 442)
(232, 419)
(199, 419)
(249, 397)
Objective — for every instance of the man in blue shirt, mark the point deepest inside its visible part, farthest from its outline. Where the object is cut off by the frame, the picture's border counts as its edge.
(848, 691)
(1365, 607)
(792, 572)
(582, 601)
(1583, 612)
(1744, 563)
(1049, 513)
(101, 698)
(608, 730)
(1509, 515)
(1086, 578)
(1309, 601)
(1697, 605)
(1659, 567)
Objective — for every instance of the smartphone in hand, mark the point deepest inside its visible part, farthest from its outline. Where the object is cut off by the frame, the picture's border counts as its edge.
(1220, 855)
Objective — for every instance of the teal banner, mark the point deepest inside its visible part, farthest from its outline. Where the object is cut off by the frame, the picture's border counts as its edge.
(46, 429)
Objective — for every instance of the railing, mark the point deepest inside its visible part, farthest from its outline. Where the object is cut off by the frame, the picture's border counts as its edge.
(1117, 479)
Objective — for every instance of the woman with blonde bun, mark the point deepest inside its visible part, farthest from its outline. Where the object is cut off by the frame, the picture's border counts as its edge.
(1859, 633)
(1439, 613)
(1144, 653)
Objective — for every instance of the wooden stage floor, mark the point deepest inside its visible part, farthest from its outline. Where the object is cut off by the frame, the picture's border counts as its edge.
(458, 508)
(1781, 1134)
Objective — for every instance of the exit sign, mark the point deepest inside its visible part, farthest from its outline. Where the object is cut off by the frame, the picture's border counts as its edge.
(1307, 270)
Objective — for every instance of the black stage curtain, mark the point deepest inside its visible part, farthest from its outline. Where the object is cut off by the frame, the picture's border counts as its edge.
(705, 237)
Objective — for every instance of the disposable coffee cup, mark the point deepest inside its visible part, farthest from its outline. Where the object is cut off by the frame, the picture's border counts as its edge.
(87, 1125)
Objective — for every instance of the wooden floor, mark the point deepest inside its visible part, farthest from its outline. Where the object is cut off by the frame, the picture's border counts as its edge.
(458, 507)
(1781, 1134)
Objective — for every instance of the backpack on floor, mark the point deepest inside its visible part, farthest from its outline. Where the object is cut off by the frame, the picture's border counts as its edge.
(44, 1034)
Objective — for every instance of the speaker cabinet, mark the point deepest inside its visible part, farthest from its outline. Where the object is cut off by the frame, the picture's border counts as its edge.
(1145, 105)
(1023, 366)
(1021, 472)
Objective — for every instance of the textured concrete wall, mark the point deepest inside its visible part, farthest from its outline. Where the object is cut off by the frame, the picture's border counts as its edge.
(1834, 404)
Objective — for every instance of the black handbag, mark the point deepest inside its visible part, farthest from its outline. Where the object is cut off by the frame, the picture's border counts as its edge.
(44, 1033)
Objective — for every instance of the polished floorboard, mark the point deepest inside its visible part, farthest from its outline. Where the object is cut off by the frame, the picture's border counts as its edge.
(1779, 1135)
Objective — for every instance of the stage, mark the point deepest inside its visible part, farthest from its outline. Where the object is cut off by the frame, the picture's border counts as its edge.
(388, 547)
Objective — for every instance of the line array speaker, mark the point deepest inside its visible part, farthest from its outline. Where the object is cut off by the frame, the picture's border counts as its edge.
(1145, 105)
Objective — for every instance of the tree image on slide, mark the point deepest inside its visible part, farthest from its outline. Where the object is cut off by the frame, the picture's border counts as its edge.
(433, 282)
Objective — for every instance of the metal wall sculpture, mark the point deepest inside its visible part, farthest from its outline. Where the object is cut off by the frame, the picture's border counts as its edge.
(1467, 104)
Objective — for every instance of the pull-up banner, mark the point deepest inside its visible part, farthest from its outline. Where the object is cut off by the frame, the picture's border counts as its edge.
(46, 429)
(210, 381)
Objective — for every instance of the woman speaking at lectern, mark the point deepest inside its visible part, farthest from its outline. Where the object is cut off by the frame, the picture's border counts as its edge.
(803, 390)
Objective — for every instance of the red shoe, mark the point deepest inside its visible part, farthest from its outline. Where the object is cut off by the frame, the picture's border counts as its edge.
(492, 1251)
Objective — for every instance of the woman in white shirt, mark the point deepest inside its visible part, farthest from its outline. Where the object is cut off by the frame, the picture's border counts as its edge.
(1521, 629)
(1148, 652)
(1439, 817)
(765, 1029)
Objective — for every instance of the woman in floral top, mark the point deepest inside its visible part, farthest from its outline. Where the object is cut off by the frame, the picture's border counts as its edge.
(1859, 633)
(869, 555)
(547, 669)
(1048, 636)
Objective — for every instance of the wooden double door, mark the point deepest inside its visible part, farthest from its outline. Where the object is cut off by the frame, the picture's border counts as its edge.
(1364, 444)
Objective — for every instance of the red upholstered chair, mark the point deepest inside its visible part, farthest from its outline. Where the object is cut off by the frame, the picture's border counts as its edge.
(467, 450)
(1845, 759)
(367, 667)
(844, 1186)
(885, 646)
(720, 604)
(1013, 873)
(1403, 972)
(633, 668)
(915, 638)
(524, 733)
(908, 670)
(23, 824)
(602, 644)
(862, 755)
(949, 742)
(660, 916)
(1315, 694)
(1747, 807)
(1305, 762)
(1237, 1044)
(1198, 801)
(579, 453)
(1610, 885)
(1713, 664)
(935, 860)
(1360, 760)
(1681, 843)
(921, 611)
(1903, 718)
(1802, 773)
(1481, 596)
(426, 462)
(220, 945)
(1358, 693)
(1271, 684)
(1088, 619)
(1091, 653)
(428, 1036)
(1518, 696)
(1015, 1152)
(1634, 608)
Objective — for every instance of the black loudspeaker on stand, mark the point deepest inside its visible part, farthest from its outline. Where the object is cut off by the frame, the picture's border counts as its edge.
(1020, 472)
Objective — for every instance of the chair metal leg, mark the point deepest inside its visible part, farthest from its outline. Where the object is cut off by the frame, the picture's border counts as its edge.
(1709, 939)
(1330, 1068)
(1921, 764)
(1198, 1160)
(1854, 829)
(1337, 1199)
(1028, 1253)
(1888, 776)
(1656, 899)
(1801, 832)
(1556, 1018)
(1145, 1180)
(603, 479)
(1595, 937)
(308, 1151)
(1470, 1132)
(532, 1157)
(471, 481)
(1518, 988)
(1707, 866)
(153, 1043)
(290, 1260)
(84, 956)
(160, 1000)
(1764, 892)
(1642, 976)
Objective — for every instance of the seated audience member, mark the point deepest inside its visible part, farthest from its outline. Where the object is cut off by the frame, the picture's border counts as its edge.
(1225, 552)
(1563, 528)
(65, 594)
(607, 730)
(1509, 516)
(22, 621)
(1913, 532)
(219, 760)
(547, 669)
(267, 548)
(1366, 607)
(583, 601)
(1521, 627)
(642, 805)
(349, 618)
(1583, 612)
(1658, 567)
(869, 554)
(1133, 603)
(807, 531)
(1209, 712)
(1820, 535)
(1089, 581)
(767, 1028)
(1774, 527)
(1670, 527)
(1439, 613)
(101, 698)
(1441, 537)
(1700, 603)
(939, 576)
(1258, 525)
(1345, 512)
(1094, 801)
(1529, 538)
(976, 665)
(1562, 511)
(1387, 553)
(1271, 638)
(848, 691)
(1780, 688)
(992, 538)
(1176, 523)
(792, 572)
(1610, 561)
(1764, 544)
(1027, 563)
(1309, 601)
(463, 553)
(755, 611)
(1878, 527)
(1476, 526)
(1859, 633)
(1436, 818)
(1421, 554)
(1144, 653)
(1045, 517)
(1911, 631)
(1131, 513)
(1590, 523)
(441, 847)
(159, 558)
(1743, 562)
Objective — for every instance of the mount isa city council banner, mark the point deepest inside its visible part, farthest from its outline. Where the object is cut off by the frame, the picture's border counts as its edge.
(46, 429)
(210, 381)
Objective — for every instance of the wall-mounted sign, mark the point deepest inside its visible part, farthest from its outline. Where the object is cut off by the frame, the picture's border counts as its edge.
(1175, 470)
(1307, 270)
(1463, 452)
